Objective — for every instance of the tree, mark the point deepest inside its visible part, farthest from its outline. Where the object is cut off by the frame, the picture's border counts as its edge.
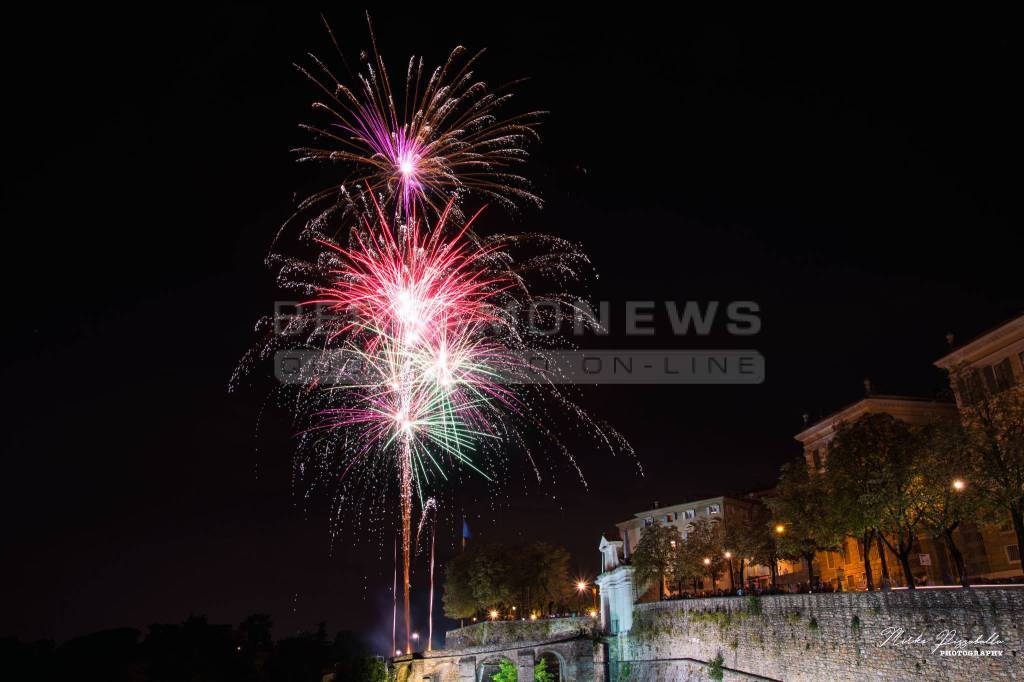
(654, 558)
(352, 660)
(541, 672)
(540, 575)
(856, 457)
(751, 538)
(688, 566)
(532, 577)
(893, 490)
(506, 672)
(458, 598)
(256, 630)
(942, 464)
(705, 543)
(994, 428)
(491, 576)
(801, 506)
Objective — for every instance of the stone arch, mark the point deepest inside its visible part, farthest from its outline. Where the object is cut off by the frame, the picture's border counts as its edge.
(555, 661)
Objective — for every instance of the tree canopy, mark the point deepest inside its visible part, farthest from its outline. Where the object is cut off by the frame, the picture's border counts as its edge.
(654, 559)
(533, 577)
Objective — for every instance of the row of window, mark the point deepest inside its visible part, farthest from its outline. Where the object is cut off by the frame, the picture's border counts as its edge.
(974, 384)
(686, 514)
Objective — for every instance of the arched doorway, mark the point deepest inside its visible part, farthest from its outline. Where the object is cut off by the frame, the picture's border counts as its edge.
(554, 666)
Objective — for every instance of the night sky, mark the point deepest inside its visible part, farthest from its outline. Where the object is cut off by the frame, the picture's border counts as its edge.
(852, 176)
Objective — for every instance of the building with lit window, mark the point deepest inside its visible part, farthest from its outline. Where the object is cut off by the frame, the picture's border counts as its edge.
(983, 368)
(986, 366)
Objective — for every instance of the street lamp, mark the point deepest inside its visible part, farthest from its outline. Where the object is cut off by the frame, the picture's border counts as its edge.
(780, 529)
(728, 557)
(959, 485)
(494, 614)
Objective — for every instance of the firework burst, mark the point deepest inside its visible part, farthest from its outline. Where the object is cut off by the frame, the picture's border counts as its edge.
(442, 135)
(416, 322)
(418, 329)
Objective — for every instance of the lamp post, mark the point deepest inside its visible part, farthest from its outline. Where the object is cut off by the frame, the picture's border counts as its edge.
(581, 587)
(728, 558)
(707, 563)
(958, 560)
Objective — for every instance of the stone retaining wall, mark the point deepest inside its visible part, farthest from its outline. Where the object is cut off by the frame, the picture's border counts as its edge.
(833, 637)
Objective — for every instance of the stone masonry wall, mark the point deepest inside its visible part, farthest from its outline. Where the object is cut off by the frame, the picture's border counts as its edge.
(816, 637)
(487, 633)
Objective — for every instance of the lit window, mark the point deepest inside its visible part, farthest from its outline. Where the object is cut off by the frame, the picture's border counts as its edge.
(714, 509)
(689, 513)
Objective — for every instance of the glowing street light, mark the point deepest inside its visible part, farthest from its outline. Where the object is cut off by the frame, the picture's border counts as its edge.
(707, 561)
(581, 586)
(728, 555)
(959, 485)
(780, 529)
(415, 636)
(494, 614)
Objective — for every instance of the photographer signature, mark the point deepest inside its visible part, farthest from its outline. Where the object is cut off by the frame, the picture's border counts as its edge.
(945, 640)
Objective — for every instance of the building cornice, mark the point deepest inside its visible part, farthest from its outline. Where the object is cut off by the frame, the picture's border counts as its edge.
(988, 343)
(889, 404)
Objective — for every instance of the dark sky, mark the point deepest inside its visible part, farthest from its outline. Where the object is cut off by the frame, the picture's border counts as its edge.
(853, 176)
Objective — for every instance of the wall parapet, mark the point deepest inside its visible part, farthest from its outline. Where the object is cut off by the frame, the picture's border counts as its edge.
(520, 632)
